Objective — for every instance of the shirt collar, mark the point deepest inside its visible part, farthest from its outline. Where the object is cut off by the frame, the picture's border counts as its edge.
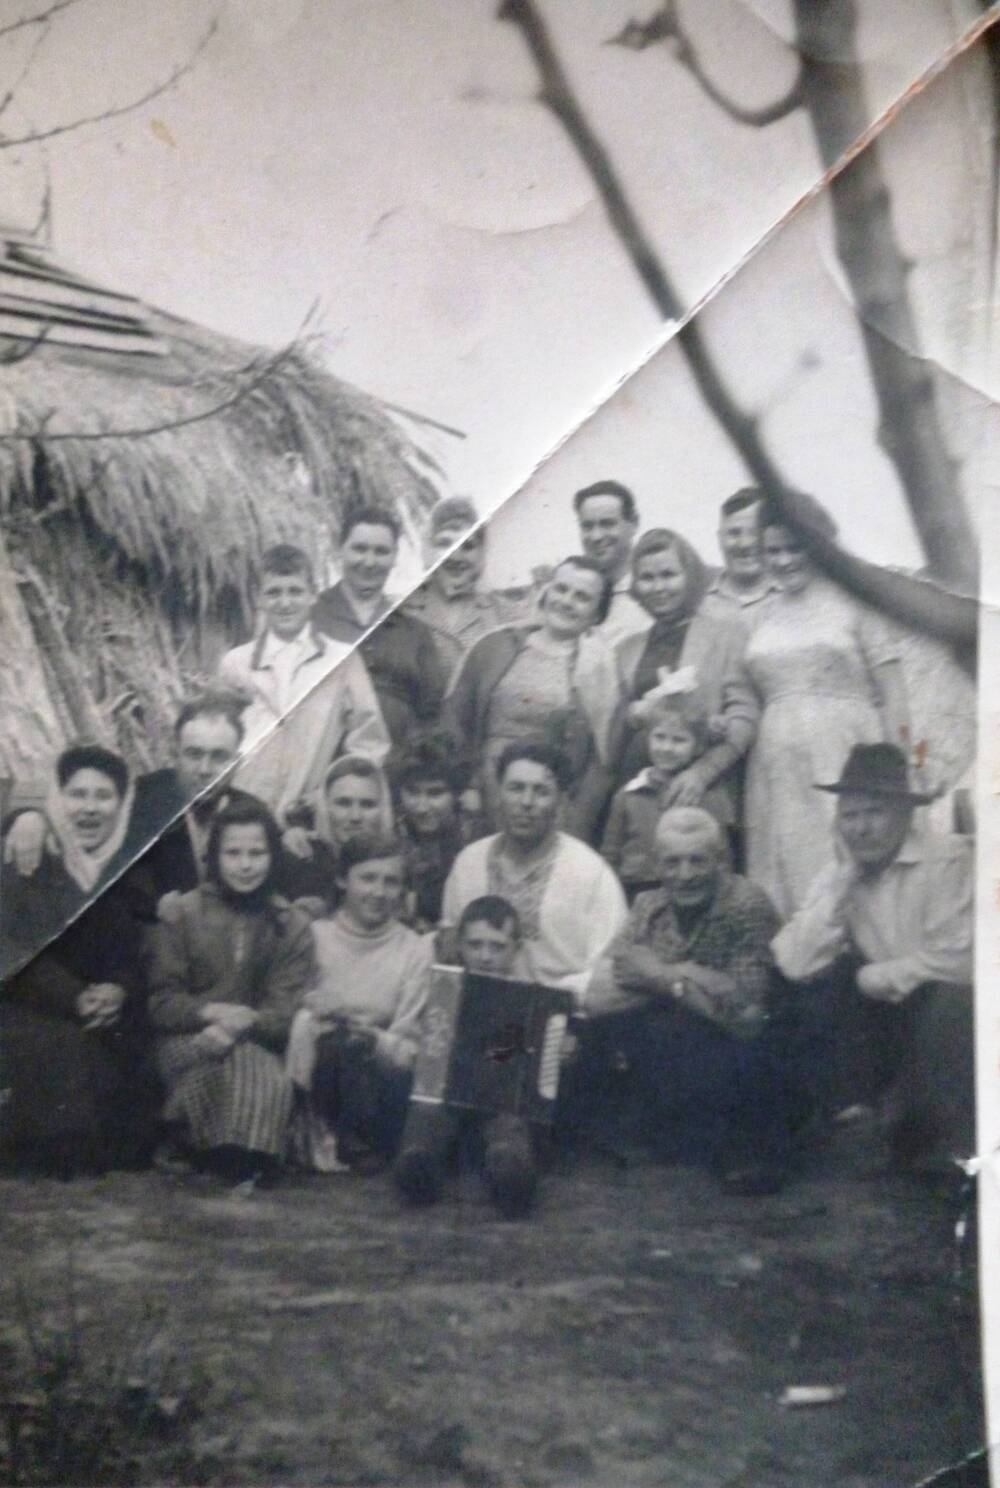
(307, 644)
(645, 780)
(720, 585)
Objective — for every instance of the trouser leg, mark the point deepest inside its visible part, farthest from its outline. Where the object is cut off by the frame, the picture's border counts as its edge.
(509, 1165)
(932, 1098)
(429, 1132)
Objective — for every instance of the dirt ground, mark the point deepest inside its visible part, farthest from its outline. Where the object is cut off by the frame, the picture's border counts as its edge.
(638, 1331)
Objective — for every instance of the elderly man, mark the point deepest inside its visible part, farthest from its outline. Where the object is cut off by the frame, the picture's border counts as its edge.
(451, 602)
(888, 927)
(569, 903)
(742, 591)
(676, 1011)
(608, 520)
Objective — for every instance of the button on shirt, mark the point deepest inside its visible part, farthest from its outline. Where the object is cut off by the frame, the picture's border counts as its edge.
(914, 921)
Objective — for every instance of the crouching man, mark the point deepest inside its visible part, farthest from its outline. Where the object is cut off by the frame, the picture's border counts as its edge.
(675, 1013)
(488, 939)
(884, 940)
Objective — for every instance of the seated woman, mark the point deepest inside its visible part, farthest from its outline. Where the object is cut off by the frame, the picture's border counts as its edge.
(228, 969)
(556, 680)
(355, 1042)
(428, 776)
(79, 1093)
(355, 799)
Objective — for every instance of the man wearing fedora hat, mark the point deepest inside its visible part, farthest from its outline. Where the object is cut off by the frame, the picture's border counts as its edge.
(887, 926)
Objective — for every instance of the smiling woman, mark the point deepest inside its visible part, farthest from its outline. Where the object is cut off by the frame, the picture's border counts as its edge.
(71, 1023)
(229, 964)
(553, 680)
(354, 1043)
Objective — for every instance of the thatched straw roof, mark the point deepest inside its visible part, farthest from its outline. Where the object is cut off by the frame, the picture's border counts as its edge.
(136, 491)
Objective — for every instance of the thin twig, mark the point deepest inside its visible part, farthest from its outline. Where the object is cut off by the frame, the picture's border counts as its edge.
(40, 19)
(29, 62)
(665, 26)
(265, 370)
(9, 142)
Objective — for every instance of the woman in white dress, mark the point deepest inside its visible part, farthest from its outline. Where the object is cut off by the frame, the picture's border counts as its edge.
(828, 675)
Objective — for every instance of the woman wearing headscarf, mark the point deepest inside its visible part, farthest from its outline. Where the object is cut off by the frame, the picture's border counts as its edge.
(79, 1096)
(554, 680)
(229, 966)
(353, 800)
(827, 675)
(670, 581)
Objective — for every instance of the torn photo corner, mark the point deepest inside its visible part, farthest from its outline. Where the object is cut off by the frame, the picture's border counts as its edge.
(645, 419)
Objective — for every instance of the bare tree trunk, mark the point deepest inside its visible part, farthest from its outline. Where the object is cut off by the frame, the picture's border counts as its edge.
(951, 617)
(910, 429)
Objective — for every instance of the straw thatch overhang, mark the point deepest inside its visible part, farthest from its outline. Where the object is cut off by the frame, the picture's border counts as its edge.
(136, 492)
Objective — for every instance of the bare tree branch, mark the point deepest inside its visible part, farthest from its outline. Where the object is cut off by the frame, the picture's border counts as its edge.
(35, 137)
(40, 18)
(666, 26)
(953, 617)
(261, 371)
(22, 77)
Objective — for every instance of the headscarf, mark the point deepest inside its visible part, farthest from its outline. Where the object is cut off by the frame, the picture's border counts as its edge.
(86, 868)
(243, 813)
(696, 574)
(348, 764)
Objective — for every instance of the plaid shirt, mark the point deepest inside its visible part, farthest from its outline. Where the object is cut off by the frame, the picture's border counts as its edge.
(732, 936)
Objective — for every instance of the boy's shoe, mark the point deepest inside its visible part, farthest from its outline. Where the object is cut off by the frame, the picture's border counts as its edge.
(511, 1179)
(418, 1176)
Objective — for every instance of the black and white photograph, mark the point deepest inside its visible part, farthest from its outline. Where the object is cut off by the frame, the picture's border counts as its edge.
(497, 894)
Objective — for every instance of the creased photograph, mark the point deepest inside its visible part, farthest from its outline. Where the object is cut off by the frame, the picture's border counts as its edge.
(496, 560)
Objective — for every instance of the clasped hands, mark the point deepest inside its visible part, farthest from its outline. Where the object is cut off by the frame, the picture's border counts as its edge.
(641, 970)
(225, 1024)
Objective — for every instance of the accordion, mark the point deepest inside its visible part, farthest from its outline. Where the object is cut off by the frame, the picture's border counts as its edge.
(491, 1045)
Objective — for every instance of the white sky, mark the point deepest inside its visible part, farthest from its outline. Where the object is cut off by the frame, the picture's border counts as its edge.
(386, 158)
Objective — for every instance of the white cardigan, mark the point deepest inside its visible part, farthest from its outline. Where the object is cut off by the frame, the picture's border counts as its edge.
(582, 910)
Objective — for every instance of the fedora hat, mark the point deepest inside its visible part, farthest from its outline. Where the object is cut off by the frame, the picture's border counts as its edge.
(876, 770)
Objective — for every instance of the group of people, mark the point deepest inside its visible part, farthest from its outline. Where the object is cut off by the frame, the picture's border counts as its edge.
(689, 799)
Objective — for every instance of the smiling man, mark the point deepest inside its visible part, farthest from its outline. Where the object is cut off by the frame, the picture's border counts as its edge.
(452, 602)
(888, 928)
(676, 1011)
(568, 901)
(398, 650)
(608, 521)
(743, 589)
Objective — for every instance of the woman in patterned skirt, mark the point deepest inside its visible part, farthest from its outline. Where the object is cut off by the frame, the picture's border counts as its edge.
(229, 967)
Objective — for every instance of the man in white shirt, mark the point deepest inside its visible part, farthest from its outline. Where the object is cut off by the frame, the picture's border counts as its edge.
(308, 696)
(569, 903)
(743, 591)
(609, 520)
(890, 923)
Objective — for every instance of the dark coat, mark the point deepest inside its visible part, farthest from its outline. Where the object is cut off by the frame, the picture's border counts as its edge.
(401, 657)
